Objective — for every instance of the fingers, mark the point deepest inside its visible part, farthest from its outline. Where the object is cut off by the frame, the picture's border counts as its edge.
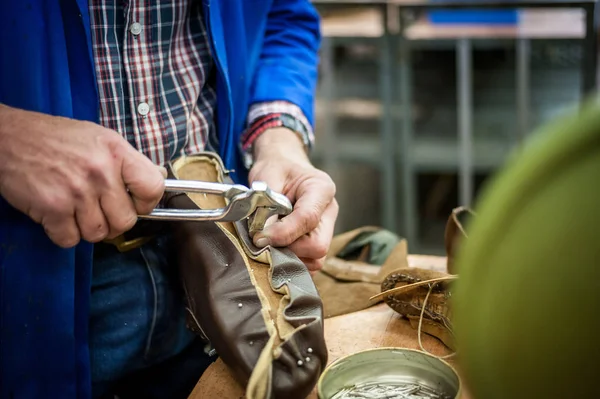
(62, 230)
(316, 244)
(144, 180)
(90, 219)
(119, 210)
(313, 265)
(313, 201)
(112, 210)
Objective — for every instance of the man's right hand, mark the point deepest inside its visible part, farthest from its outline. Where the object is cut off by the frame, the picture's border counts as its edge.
(78, 179)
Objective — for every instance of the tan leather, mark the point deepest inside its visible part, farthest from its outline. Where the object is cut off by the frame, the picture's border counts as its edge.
(258, 307)
(346, 286)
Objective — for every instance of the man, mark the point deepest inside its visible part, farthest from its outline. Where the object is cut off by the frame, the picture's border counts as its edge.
(95, 98)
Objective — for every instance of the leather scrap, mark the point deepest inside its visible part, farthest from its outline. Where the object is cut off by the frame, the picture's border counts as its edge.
(355, 266)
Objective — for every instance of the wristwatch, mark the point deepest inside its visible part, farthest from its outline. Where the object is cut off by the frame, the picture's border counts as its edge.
(269, 122)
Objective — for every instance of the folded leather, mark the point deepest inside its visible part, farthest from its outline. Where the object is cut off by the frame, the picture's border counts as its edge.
(355, 266)
(258, 307)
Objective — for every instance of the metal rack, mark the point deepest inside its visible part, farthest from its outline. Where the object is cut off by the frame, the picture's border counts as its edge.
(402, 155)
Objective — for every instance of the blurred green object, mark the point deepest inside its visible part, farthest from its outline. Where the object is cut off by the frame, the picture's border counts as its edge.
(527, 301)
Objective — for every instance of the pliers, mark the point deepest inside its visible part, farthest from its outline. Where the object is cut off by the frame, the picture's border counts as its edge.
(257, 203)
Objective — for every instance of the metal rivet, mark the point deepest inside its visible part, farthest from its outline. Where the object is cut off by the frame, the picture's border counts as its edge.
(240, 305)
(300, 363)
(289, 280)
(251, 343)
(226, 264)
(307, 359)
(309, 350)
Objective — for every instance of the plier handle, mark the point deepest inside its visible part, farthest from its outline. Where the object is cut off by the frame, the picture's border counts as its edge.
(257, 203)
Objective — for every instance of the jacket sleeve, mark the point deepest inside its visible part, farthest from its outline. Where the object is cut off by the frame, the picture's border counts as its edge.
(287, 68)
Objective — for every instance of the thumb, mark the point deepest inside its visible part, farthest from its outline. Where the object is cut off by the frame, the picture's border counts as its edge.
(144, 180)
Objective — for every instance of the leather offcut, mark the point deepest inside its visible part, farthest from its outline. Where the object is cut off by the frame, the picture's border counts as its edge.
(355, 266)
(258, 307)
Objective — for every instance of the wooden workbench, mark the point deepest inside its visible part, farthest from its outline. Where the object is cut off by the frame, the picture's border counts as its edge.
(376, 327)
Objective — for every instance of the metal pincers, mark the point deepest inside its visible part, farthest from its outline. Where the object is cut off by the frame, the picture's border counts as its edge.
(257, 203)
(267, 203)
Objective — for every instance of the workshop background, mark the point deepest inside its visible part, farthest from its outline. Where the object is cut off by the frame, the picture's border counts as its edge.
(414, 115)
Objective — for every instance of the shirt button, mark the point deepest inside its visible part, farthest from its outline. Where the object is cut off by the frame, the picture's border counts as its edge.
(143, 109)
(136, 28)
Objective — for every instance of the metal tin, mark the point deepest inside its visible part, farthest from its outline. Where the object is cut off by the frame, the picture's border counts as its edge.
(392, 366)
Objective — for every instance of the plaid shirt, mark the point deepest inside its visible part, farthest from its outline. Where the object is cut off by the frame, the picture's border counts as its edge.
(156, 77)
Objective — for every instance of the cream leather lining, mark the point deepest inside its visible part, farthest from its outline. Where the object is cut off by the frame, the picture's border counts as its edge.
(195, 168)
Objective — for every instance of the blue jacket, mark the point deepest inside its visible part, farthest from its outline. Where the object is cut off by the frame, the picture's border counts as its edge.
(265, 50)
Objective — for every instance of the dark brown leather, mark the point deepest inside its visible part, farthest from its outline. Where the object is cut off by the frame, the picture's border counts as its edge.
(226, 308)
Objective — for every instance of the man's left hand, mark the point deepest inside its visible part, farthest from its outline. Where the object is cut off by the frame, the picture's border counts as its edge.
(281, 161)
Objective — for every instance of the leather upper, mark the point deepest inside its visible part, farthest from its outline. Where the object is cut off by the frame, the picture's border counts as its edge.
(258, 307)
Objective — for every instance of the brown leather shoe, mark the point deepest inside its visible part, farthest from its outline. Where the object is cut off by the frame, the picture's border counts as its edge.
(406, 289)
(259, 308)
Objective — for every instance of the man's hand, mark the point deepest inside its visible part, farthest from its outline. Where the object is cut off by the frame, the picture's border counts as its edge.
(282, 162)
(78, 179)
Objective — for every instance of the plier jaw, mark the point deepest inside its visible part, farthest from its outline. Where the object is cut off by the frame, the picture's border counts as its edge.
(257, 204)
(265, 203)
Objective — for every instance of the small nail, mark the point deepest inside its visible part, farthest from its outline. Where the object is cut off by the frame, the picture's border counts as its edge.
(262, 242)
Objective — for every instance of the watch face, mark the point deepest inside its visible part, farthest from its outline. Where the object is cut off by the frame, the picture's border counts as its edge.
(282, 120)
